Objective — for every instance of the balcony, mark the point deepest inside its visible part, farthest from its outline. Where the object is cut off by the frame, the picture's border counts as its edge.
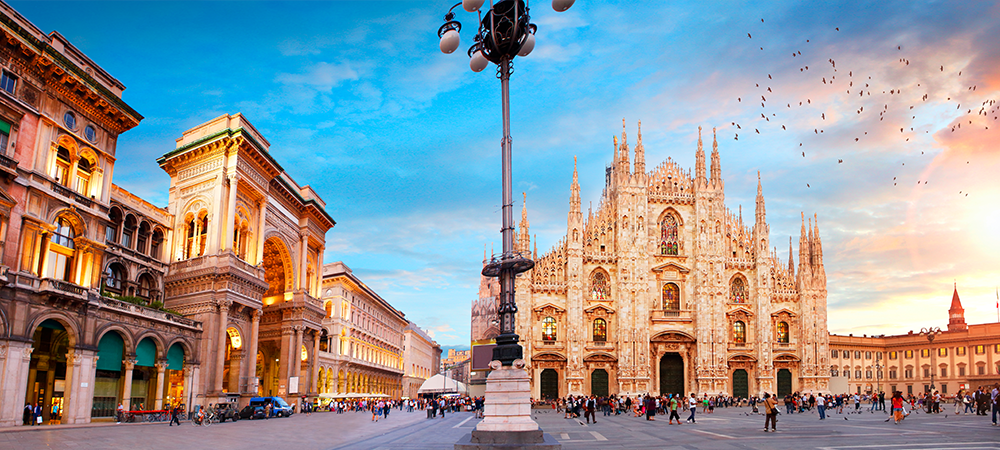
(599, 257)
(72, 195)
(8, 166)
(675, 315)
(604, 346)
(548, 345)
(135, 310)
(62, 288)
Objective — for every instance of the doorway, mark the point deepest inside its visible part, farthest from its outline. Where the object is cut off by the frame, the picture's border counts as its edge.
(599, 383)
(741, 383)
(549, 384)
(784, 382)
(672, 374)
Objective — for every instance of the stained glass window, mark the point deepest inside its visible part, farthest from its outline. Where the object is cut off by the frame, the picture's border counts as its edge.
(599, 287)
(738, 291)
(668, 235)
(600, 330)
(783, 332)
(548, 329)
(671, 297)
(740, 332)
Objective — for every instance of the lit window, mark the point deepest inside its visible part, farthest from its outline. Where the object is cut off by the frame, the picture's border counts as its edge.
(62, 166)
(908, 354)
(600, 330)
(980, 349)
(84, 171)
(782, 332)
(960, 351)
(893, 355)
(668, 236)
(942, 352)
(925, 353)
(8, 81)
(671, 297)
(599, 287)
(738, 291)
(739, 332)
(61, 251)
(548, 329)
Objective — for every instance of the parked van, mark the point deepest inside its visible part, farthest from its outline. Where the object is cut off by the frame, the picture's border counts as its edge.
(279, 408)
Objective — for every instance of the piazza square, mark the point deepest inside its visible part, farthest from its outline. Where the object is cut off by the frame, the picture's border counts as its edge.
(284, 232)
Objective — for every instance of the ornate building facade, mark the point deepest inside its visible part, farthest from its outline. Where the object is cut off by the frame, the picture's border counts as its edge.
(665, 290)
(421, 357)
(365, 350)
(960, 357)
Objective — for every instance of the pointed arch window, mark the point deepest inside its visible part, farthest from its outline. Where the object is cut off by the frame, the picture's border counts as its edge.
(782, 332)
(738, 290)
(600, 289)
(739, 332)
(668, 236)
(548, 329)
(600, 330)
(671, 297)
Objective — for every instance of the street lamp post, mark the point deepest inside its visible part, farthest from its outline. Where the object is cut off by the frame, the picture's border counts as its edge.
(505, 32)
(930, 334)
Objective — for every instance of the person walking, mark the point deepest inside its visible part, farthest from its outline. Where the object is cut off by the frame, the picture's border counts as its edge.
(821, 407)
(897, 407)
(674, 400)
(119, 413)
(590, 407)
(36, 418)
(174, 413)
(693, 406)
(995, 402)
(267, 411)
(26, 416)
(771, 412)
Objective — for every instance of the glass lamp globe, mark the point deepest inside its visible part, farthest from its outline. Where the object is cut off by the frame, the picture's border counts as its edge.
(562, 5)
(449, 41)
(529, 45)
(478, 62)
(472, 5)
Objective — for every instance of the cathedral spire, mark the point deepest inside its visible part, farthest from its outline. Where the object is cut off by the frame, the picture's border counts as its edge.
(524, 239)
(817, 243)
(716, 164)
(803, 249)
(761, 214)
(574, 196)
(640, 154)
(791, 259)
(623, 164)
(699, 165)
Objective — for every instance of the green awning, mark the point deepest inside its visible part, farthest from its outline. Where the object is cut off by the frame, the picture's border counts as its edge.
(5, 127)
(110, 351)
(145, 353)
(175, 357)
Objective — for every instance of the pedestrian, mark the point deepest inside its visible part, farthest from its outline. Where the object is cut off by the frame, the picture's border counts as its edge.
(267, 411)
(771, 411)
(37, 414)
(693, 406)
(174, 413)
(26, 417)
(821, 407)
(995, 401)
(897, 407)
(674, 403)
(119, 413)
(590, 407)
(649, 404)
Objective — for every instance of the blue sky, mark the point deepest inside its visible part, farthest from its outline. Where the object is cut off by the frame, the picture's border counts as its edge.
(402, 141)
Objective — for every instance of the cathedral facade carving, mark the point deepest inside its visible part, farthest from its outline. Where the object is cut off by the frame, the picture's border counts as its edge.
(663, 289)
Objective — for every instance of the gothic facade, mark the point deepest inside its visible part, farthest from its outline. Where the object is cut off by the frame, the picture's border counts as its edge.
(663, 289)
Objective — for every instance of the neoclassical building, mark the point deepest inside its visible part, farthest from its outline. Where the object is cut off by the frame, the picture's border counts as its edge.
(421, 357)
(961, 356)
(364, 334)
(663, 289)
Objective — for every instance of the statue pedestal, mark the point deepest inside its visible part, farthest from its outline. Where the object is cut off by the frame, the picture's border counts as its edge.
(508, 424)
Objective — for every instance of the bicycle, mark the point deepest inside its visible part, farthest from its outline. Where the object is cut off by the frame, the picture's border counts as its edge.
(205, 421)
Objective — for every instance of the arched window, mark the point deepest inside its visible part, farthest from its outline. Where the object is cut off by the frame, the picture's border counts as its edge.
(114, 278)
(84, 170)
(671, 297)
(738, 290)
(142, 238)
(782, 332)
(154, 244)
(197, 233)
(147, 287)
(668, 235)
(548, 329)
(740, 332)
(61, 251)
(600, 330)
(111, 232)
(128, 233)
(600, 289)
(63, 164)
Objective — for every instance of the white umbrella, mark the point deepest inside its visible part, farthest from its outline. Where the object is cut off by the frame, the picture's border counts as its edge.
(440, 384)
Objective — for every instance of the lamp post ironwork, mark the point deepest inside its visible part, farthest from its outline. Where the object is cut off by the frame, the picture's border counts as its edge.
(504, 32)
(930, 334)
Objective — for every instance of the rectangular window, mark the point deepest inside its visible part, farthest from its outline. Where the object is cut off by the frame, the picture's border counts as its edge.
(925, 353)
(944, 372)
(892, 388)
(857, 374)
(834, 353)
(857, 354)
(4, 136)
(996, 348)
(8, 81)
(960, 351)
(908, 354)
(981, 370)
(942, 351)
(980, 349)
(878, 355)
(944, 388)
(927, 372)
(893, 355)
(868, 374)
(961, 371)
(909, 389)
(892, 375)
(868, 355)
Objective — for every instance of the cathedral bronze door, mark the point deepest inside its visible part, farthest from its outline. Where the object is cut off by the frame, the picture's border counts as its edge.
(549, 384)
(784, 382)
(599, 383)
(672, 374)
(741, 383)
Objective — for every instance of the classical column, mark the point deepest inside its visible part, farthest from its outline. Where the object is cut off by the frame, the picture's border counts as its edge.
(16, 357)
(252, 356)
(161, 370)
(231, 212)
(297, 353)
(80, 373)
(216, 229)
(188, 398)
(129, 365)
(220, 361)
(235, 359)
(302, 281)
(313, 375)
(260, 232)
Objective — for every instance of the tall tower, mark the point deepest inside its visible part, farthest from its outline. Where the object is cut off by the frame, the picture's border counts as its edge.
(956, 315)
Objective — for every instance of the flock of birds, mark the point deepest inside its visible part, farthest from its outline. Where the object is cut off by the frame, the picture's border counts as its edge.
(862, 91)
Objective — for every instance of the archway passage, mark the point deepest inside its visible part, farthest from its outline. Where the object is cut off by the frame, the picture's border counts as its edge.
(741, 383)
(47, 370)
(599, 383)
(549, 384)
(784, 382)
(671, 374)
(274, 271)
(109, 377)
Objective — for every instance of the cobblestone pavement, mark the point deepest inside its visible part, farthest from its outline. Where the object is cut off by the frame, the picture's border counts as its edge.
(733, 428)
